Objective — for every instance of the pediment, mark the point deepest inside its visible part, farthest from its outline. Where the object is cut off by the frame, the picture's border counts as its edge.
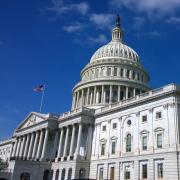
(32, 119)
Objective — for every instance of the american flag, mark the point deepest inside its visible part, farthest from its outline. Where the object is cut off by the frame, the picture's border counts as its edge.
(39, 88)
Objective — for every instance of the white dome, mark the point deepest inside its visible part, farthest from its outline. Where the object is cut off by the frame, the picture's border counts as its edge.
(115, 49)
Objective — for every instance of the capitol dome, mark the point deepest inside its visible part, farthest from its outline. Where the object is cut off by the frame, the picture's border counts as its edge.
(113, 74)
(115, 49)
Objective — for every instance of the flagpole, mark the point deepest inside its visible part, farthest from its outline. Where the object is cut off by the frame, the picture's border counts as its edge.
(42, 99)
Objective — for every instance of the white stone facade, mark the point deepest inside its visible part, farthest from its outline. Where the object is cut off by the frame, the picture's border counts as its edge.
(118, 127)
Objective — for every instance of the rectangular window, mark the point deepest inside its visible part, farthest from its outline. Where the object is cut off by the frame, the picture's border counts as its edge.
(144, 143)
(160, 170)
(158, 115)
(103, 128)
(127, 174)
(127, 73)
(122, 72)
(112, 173)
(144, 118)
(159, 140)
(115, 71)
(114, 125)
(109, 71)
(101, 173)
(144, 171)
(103, 149)
(113, 150)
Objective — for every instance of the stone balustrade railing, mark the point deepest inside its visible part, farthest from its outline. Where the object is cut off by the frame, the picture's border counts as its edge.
(164, 89)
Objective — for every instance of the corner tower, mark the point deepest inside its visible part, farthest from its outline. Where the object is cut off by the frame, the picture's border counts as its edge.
(113, 74)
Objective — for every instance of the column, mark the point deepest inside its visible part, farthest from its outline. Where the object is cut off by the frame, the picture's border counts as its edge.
(127, 90)
(119, 93)
(18, 144)
(134, 92)
(87, 97)
(73, 102)
(66, 142)
(79, 139)
(60, 143)
(91, 97)
(55, 144)
(102, 95)
(14, 148)
(110, 94)
(22, 147)
(72, 141)
(31, 145)
(82, 97)
(26, 145)
(94, 100)
(40, 144)
(77, 101)
(45, 143)
(35, 145)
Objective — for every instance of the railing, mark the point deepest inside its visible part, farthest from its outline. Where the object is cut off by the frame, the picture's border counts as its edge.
(75, 111)
(164, 89)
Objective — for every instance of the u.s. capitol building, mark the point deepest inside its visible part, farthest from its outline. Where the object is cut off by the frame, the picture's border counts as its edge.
(118, 127)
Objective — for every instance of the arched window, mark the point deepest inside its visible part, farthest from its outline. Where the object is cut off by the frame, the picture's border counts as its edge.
(57, 174)
(63, 174)
(69, 173)
(128, 143)
(25, 176)
(82, 172)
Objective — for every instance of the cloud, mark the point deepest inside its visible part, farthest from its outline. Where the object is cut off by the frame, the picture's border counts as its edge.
(59, 7)
(174, 20)
(101, 39)
(138, 23)
(151, 7)
(102, 20)
(74, 27)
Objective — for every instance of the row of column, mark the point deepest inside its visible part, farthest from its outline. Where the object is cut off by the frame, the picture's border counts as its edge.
(103, 94)
(64, 139)
(31, 146)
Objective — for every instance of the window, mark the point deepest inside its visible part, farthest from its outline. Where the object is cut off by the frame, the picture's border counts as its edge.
(133, 75)
(112, 173)
(128, 143)
(101, 173)
(108, 71)
(144, 171)
(160, 170)
(114, 126)
(159, 140)
(113, 148)
(158, 115)
(103, 128)
(144, 118)
(115, 71)
(103, 149)
(127, 73)
(122, 72)
(127, 174)
(144, 142)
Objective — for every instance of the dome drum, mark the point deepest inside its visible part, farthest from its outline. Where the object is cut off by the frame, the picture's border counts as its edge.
(102, 95)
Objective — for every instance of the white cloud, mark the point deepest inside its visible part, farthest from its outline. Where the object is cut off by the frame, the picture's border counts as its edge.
(59, 7)
(101, 39)
(151, 7)
(138, 23)
(102, 20)
(73, 27)
(174, 20)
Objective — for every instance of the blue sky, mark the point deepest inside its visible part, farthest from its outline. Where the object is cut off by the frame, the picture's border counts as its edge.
(50, 41)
